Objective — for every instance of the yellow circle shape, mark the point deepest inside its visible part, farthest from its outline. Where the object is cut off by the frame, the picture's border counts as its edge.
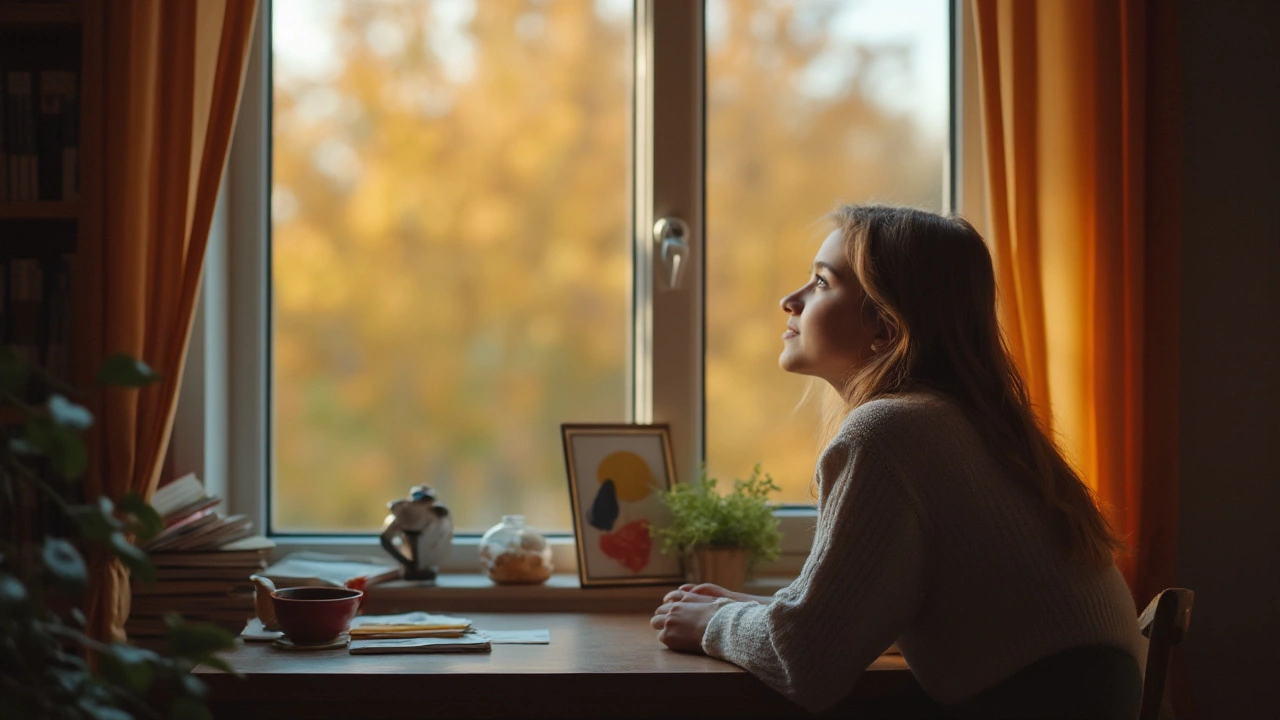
(631, 476)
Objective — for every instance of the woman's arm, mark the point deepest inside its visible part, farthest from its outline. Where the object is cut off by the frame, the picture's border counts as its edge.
(863, 582)
(709, 592)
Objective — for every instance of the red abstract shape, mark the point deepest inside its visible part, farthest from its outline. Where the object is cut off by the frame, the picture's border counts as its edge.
(630, 545)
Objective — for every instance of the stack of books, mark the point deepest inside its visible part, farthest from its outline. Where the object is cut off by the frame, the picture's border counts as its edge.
(203, 562)
(191, 520)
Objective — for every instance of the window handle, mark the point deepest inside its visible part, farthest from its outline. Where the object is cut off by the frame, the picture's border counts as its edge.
(672, 236)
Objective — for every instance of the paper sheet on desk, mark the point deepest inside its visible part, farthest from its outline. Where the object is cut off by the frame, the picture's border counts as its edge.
(409, 624)
(518, 637)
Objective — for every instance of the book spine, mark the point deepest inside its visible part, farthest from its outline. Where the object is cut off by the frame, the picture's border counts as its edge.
(4, 141)
(48, 136)
(71, 138)
(19, 103)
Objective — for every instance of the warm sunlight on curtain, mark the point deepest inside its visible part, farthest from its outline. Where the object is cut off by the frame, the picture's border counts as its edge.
(1079, 183)
(172, 78)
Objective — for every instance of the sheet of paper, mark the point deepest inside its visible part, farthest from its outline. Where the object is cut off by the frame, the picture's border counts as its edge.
(518, 637)
(470, 642)
(408, 622)
(255, 630)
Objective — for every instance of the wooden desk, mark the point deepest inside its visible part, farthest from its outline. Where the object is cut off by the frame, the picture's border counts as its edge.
(596, 666)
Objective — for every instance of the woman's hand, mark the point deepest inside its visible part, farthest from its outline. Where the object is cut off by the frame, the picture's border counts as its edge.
(707, 592)
(682, 623)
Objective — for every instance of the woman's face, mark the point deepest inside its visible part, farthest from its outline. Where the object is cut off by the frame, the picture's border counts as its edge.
(826, 334)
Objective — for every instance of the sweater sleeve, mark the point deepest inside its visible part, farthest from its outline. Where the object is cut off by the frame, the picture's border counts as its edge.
(862, 583)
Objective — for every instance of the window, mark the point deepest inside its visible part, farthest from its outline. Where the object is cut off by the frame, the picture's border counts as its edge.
(461, 255)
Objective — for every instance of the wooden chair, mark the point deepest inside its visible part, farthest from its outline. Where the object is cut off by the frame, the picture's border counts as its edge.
(1164, 622)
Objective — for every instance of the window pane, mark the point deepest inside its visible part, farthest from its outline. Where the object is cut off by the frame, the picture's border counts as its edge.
(450, 252)
(809, 103)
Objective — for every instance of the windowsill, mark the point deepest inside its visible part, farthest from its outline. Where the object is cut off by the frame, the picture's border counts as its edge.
(467, 592)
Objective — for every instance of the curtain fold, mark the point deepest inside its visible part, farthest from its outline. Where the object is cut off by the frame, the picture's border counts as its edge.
(173, 72)
(1084, 247)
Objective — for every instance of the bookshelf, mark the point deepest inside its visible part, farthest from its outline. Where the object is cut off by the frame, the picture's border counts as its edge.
(51, 204)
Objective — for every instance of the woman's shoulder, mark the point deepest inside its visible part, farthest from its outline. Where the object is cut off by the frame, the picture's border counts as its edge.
(900, 420)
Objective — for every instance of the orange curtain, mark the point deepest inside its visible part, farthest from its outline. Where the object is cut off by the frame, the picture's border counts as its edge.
(1080, 191)
(171, 78)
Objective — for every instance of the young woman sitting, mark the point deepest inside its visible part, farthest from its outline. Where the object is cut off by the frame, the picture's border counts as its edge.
(948, 521)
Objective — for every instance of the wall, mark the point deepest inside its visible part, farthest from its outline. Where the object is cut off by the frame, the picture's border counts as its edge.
(1229, 528)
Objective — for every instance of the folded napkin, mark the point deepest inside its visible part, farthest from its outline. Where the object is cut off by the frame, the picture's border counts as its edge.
(409, 625)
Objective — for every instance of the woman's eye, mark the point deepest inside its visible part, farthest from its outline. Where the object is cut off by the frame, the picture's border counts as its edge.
(819, 281)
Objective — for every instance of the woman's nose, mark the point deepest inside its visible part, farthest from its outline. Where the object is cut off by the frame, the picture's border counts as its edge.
(791, 303)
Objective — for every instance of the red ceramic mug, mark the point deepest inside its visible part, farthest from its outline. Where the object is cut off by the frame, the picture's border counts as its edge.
(315, 615)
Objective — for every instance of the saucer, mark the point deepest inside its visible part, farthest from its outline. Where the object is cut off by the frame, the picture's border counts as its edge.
(284, 643)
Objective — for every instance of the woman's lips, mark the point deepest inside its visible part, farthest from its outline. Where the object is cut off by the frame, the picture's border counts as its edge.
(790, 333)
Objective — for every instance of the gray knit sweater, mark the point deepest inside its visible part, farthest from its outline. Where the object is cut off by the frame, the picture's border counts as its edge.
(922, 539)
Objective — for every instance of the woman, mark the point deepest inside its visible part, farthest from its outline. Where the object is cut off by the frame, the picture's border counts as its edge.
(948, 521)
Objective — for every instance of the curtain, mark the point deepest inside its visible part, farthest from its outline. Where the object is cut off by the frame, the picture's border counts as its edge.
(171, 78)
(1081, 188)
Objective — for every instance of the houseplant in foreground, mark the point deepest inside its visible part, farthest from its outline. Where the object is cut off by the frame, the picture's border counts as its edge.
(725, 534)
(49, 666)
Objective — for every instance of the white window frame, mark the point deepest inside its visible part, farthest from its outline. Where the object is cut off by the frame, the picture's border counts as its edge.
(221, 428)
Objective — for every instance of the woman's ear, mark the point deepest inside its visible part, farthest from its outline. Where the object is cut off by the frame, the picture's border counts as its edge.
(884, 330)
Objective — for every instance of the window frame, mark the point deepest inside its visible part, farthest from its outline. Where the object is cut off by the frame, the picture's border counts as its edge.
(222, 426)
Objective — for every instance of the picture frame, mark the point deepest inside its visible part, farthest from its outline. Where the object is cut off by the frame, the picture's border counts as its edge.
(614, 471)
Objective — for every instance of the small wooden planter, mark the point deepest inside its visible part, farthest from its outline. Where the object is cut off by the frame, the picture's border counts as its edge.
(724, 566)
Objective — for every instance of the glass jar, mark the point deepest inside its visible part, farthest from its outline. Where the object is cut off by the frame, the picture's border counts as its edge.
(512, 554)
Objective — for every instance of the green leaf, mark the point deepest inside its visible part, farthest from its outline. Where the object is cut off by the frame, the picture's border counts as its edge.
(196, 641)
(123, 371)
(68, 456)
(130, 667)
(78, 615)
(68, 414)
(64, 564)
(133, 558)
(13, 594)
(96, 522)
(96, 710)
(147, 523)
(194, 686)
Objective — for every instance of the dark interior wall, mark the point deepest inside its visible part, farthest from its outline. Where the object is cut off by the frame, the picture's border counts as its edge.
(1229, 525)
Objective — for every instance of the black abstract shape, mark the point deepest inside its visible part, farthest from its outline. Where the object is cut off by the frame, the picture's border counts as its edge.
(604, 510)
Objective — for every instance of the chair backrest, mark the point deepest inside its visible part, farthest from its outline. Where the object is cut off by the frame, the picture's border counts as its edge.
(1165, 623)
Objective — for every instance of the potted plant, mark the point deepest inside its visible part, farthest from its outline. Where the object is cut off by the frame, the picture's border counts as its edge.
(724, 534)
(49, 666)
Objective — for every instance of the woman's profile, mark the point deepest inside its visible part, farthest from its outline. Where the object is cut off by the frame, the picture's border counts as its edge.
(948, 520)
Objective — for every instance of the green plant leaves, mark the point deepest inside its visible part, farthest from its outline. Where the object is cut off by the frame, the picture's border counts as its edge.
(196, 641)
(130, 667)
(742, 517)
(145, 521)
(68, 414)
(60, 443)
(136, 560)
(64, 565)
(125, 371)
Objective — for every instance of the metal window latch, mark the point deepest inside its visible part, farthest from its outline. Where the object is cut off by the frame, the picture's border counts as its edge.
(672, 237)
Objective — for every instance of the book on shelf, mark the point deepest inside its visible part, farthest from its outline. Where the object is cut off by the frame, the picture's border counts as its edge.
(40, 141)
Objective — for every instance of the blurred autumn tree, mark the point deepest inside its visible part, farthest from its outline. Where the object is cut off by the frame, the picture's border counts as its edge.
(451, 240)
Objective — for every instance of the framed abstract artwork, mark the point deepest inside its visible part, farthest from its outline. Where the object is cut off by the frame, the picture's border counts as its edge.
(615, 475)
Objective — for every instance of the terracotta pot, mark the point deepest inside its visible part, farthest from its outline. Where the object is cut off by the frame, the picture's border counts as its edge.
(724, 566)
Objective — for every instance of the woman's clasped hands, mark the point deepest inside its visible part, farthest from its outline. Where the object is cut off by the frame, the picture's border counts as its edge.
(682, 619)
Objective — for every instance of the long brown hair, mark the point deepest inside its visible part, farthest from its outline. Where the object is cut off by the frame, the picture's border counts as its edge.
(930, 279)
